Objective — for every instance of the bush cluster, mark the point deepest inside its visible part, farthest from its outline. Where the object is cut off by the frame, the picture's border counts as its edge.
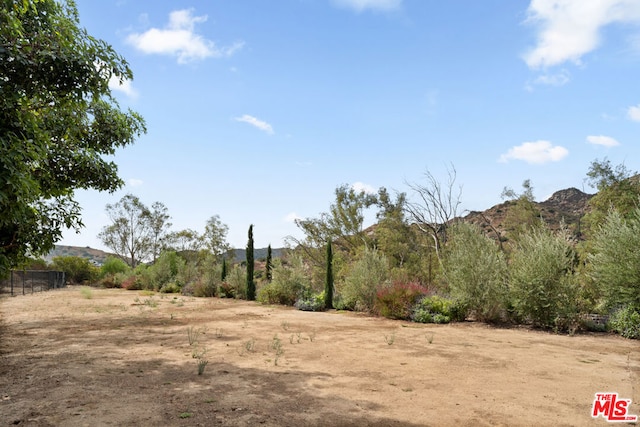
(437, 309)
(398, 300)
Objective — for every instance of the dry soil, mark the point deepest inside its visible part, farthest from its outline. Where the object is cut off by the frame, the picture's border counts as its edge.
(75, 357)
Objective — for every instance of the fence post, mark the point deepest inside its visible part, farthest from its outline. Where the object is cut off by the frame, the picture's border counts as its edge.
(11, 282)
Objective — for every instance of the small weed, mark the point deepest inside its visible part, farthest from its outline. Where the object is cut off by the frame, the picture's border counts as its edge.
(250, 345)
(312, 336)
(86, 292)
(184, 415)
(285, 325)
(430, 338)
(390, 339)
(202, 363)
(276, 345)
(147, 293)
(192, 334)
(150, 302)
(219, 333)
(299, 337)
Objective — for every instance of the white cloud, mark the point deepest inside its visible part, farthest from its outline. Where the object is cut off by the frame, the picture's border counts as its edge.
(262, 125)
(179, 39)
(568, 29)
(362, 187)
(634, 113)
(605, 141)
(361, 5)
(124, 87)
(134, 182)
(537, 152)
(292, 217)
(556, 79)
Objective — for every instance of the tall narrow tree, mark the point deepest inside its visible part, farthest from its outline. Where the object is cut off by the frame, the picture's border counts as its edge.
(251, 285)
(223, 275)
(268, 266)
(328, 285)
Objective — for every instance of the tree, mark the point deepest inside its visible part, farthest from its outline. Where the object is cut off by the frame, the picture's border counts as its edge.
(436, 206)
(130, 235)
(215, 236)
(328, 284)
(187, 243)
(543, 288)
(618, 188)
(522, 214)
(399, 241)
(251, 285)
(223, 273)
(343, 224)
(476, 272)
(57, 122)
(268, 264)
(615, 259)
(159, 227)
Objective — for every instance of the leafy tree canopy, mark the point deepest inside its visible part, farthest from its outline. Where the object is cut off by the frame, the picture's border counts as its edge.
(57, 121)
(618, 188)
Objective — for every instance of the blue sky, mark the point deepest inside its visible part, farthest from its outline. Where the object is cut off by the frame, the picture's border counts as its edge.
(257, 110)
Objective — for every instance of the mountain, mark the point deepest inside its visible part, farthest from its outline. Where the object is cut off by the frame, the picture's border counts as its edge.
(565, 206)
(96, 256)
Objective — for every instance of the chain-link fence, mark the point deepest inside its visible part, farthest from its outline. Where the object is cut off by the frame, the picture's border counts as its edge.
(30, 281)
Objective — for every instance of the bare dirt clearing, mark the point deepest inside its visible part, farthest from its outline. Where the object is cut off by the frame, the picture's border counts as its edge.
(122, 358)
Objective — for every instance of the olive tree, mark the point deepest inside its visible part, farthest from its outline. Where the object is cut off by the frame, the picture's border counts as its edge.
(616, 257)
(476, 272)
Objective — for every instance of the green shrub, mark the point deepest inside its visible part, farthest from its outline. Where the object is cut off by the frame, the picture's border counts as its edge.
(113, 266)
(436, 309)
(170, 288)
(225, 290)
(77, 270)
(235, 285)
(165, 270)
(311, 302)
(133, 283)
(210, 280)
(626, 322)
(475, 270)
(397, 301)
(615, 259)
(543, 289)
(366, 275)
(287, 285)
(202, 288)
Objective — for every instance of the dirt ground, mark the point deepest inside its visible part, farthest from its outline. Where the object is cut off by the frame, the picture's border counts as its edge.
(75, 357)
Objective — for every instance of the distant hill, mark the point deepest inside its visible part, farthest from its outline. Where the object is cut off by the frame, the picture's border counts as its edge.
(94, 255)
(258, 254)
(98, 257)
(568, 206)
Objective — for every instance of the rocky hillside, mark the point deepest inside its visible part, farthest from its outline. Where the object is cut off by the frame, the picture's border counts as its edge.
(568, 206)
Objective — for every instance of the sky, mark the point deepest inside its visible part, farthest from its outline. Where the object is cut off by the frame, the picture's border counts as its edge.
(257, 110)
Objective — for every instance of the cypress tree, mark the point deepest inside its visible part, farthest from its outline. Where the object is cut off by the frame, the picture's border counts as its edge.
(251, 285)
(328, 285)
(268, 265)
(223, 275)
